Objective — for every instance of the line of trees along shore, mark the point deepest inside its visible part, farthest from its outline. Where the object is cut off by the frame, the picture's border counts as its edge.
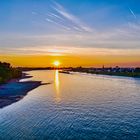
(7, 72)
(116, 71)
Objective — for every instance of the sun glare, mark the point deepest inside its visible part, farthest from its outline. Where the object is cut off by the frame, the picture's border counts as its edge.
(56, 63)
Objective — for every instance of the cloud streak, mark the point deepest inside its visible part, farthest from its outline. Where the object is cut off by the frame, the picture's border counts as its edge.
(75, 21)
(65, 18)
(61, 18)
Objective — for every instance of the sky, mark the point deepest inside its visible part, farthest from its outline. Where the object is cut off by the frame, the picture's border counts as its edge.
(34, 33)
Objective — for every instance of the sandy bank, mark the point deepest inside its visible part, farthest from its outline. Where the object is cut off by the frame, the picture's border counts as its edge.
(14, 90)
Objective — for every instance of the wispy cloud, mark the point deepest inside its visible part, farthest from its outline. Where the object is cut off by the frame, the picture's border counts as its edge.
(70, 51)
(67, 19)
(123, 37)
(61, 18)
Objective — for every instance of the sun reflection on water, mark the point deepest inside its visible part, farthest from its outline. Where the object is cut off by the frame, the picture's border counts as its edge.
(57, 86)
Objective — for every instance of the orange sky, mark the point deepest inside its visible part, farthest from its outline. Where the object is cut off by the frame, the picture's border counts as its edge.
(71, 60)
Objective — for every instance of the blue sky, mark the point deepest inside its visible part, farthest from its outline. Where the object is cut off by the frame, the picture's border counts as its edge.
(39, 25)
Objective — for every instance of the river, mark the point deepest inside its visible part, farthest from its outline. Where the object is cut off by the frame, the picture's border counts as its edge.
(75, 106)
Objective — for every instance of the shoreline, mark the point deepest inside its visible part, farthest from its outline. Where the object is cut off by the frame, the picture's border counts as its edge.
(108, 74)
(112, 75)
(15, 90)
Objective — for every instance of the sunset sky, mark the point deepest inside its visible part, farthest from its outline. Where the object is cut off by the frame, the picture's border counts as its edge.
(35, 33)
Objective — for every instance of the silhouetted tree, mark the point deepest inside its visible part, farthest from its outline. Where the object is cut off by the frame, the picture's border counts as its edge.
(7, 72)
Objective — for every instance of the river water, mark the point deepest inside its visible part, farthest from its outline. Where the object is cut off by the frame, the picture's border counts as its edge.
(75, 106)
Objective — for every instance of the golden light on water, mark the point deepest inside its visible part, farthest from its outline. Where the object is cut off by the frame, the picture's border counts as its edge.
(57, 85)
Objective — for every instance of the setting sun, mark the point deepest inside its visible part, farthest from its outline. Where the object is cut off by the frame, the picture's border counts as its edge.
(56, 63)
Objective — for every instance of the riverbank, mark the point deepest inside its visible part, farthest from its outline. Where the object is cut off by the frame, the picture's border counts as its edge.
(15, 90)
(126, 72)
(135, 75)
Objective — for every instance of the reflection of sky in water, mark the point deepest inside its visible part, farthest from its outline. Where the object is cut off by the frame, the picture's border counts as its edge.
(83, 106)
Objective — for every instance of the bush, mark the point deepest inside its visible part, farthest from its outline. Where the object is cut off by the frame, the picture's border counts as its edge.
(7, 72)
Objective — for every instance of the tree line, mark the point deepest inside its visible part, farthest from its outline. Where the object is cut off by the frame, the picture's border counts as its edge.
(7, 72)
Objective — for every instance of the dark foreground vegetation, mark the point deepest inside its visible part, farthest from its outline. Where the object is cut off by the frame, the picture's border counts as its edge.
(7, 72)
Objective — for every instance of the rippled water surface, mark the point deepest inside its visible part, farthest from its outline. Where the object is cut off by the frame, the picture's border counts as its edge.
(77, 106)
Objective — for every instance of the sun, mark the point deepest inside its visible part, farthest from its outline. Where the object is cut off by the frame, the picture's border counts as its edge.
(56, 63)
